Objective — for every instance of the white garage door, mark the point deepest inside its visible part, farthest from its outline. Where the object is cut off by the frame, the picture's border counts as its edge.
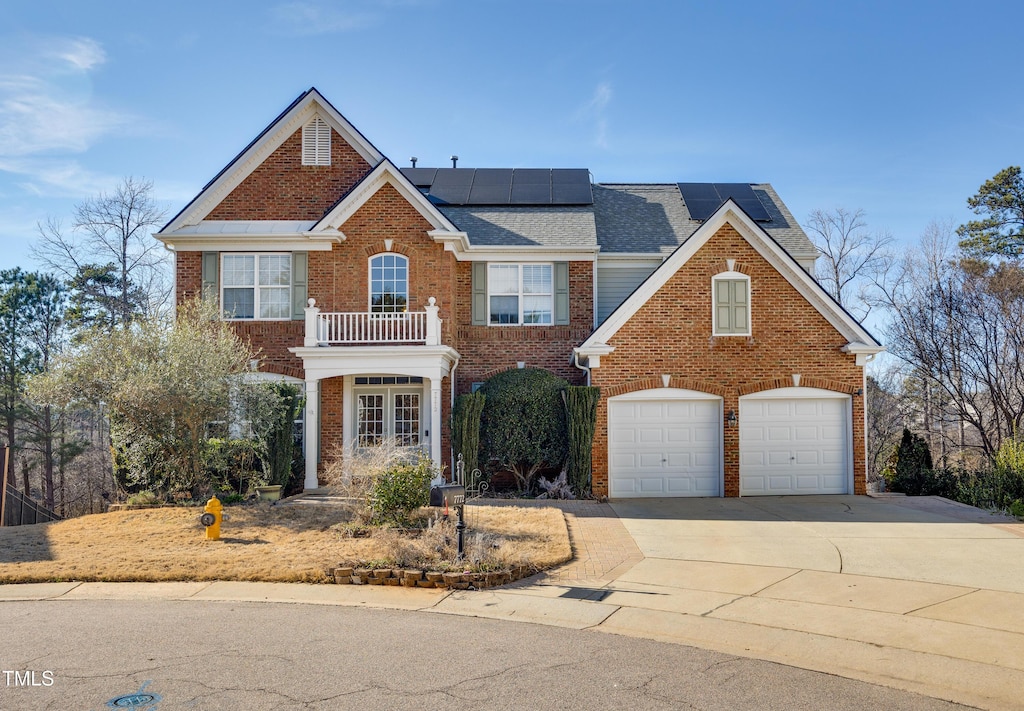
(794, 441)
(664, 442)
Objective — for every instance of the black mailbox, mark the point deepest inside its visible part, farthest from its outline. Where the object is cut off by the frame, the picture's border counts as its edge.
(448, 495)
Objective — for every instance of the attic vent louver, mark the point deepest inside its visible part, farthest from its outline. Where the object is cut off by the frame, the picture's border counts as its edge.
(316, 142)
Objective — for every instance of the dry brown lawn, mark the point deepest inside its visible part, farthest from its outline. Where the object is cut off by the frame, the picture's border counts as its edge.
(261, 542)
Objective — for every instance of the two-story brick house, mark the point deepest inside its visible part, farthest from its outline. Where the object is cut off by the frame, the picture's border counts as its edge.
(725, 369)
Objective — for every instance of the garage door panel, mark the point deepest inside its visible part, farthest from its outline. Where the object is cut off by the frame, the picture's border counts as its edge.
(650, 435)
(664, 447)
(650, 411)
(794, 445)
(678, 435)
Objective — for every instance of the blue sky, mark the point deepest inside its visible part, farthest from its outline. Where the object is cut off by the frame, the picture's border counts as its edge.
(900, 108)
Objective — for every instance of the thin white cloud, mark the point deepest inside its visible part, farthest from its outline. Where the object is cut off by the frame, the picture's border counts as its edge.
(49, 177)
(594, 111)
(82, 53)
(48, 111)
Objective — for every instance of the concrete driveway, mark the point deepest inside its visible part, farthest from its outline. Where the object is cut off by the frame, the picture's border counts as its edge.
(924, 594)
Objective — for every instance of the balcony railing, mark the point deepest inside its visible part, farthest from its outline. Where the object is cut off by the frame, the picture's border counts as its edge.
(367, 328)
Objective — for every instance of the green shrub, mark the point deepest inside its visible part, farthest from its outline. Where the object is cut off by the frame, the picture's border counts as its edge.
(232, 464)
(466, 428)
(913, 474)
(523, 423)
(281, 437)
(400, 490)
(581, 415)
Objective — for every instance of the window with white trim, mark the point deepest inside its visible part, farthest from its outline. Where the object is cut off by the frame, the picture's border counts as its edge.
(520, 294)
(389, 283)
(730, 307)
(256, 286)
(316, 142)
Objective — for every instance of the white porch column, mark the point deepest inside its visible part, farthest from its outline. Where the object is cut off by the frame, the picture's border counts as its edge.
(435, 421)
(433, 335)
(311, 339)
(312, 427)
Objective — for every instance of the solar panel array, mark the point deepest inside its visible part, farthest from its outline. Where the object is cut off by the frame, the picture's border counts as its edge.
(503, 186)
(703, 199)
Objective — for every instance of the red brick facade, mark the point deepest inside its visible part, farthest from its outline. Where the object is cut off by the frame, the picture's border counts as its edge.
(281, 188)
(487, 350)
(671, 335)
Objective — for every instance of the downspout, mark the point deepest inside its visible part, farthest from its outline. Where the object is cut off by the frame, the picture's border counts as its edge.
(864, 407)
(451, 411)
(576, 362)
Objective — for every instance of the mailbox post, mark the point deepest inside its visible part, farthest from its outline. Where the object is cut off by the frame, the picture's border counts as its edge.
(452, 495)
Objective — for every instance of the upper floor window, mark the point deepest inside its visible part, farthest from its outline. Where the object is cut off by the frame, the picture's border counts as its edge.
(520, 294)
(389, 283)
(316, 142)
(256, 286)
(730, 307)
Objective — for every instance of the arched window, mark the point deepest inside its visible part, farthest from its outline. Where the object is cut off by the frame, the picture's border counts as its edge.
(389, 283)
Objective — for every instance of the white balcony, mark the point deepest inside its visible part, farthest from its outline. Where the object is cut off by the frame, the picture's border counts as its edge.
(341, 328)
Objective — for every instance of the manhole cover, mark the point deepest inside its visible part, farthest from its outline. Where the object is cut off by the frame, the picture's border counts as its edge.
(140, 699)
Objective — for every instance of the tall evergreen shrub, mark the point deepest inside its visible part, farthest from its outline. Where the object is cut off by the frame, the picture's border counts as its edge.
(466, 428)
(581, 415)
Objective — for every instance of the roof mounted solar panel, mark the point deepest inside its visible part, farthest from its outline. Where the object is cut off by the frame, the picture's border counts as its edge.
(744, 196)
(452, 186)
(571, 186)
(531, 186)
(491, 186)
(420, 177)
(703, 199)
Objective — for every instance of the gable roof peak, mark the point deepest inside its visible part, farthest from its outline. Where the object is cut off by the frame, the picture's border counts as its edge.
(300, 111)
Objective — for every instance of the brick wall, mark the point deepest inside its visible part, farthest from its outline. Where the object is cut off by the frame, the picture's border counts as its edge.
(281, 188)
(671, 335)
(487, 350)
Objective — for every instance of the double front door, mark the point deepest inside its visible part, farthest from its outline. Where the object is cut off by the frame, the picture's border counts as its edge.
(388, 414)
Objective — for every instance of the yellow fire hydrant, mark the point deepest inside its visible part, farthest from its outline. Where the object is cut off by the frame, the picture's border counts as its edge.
(212, 518)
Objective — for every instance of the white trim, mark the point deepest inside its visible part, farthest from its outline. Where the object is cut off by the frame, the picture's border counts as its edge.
(369, 279)
(663, 394)
(792, 393)
(730, 276)
(519, 253)
(754, 234)
(862, 351)
(385, 173)
(250, 243)
(275, 135)
(521, 295)
(802, 393)
(256, 286)
(666, 394)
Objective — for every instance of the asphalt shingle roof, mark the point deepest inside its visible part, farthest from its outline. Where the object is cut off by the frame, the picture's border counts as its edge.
(625, 218)
(652, 218)
(544, 226)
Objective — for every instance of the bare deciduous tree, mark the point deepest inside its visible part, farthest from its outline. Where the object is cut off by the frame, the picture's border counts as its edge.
(110, 258)
(959, 326)
(853, 257)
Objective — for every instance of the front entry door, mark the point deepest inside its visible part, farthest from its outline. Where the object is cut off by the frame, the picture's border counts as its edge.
(388, 414)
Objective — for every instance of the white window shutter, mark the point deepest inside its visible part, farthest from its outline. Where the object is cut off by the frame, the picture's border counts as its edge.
(316, 142)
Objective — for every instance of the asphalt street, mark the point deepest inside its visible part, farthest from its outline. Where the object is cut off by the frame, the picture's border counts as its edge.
(167, 654)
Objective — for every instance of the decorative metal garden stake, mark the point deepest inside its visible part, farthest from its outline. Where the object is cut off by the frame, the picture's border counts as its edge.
(453, 495)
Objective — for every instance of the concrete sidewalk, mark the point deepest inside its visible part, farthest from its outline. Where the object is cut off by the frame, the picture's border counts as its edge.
(922, 595)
